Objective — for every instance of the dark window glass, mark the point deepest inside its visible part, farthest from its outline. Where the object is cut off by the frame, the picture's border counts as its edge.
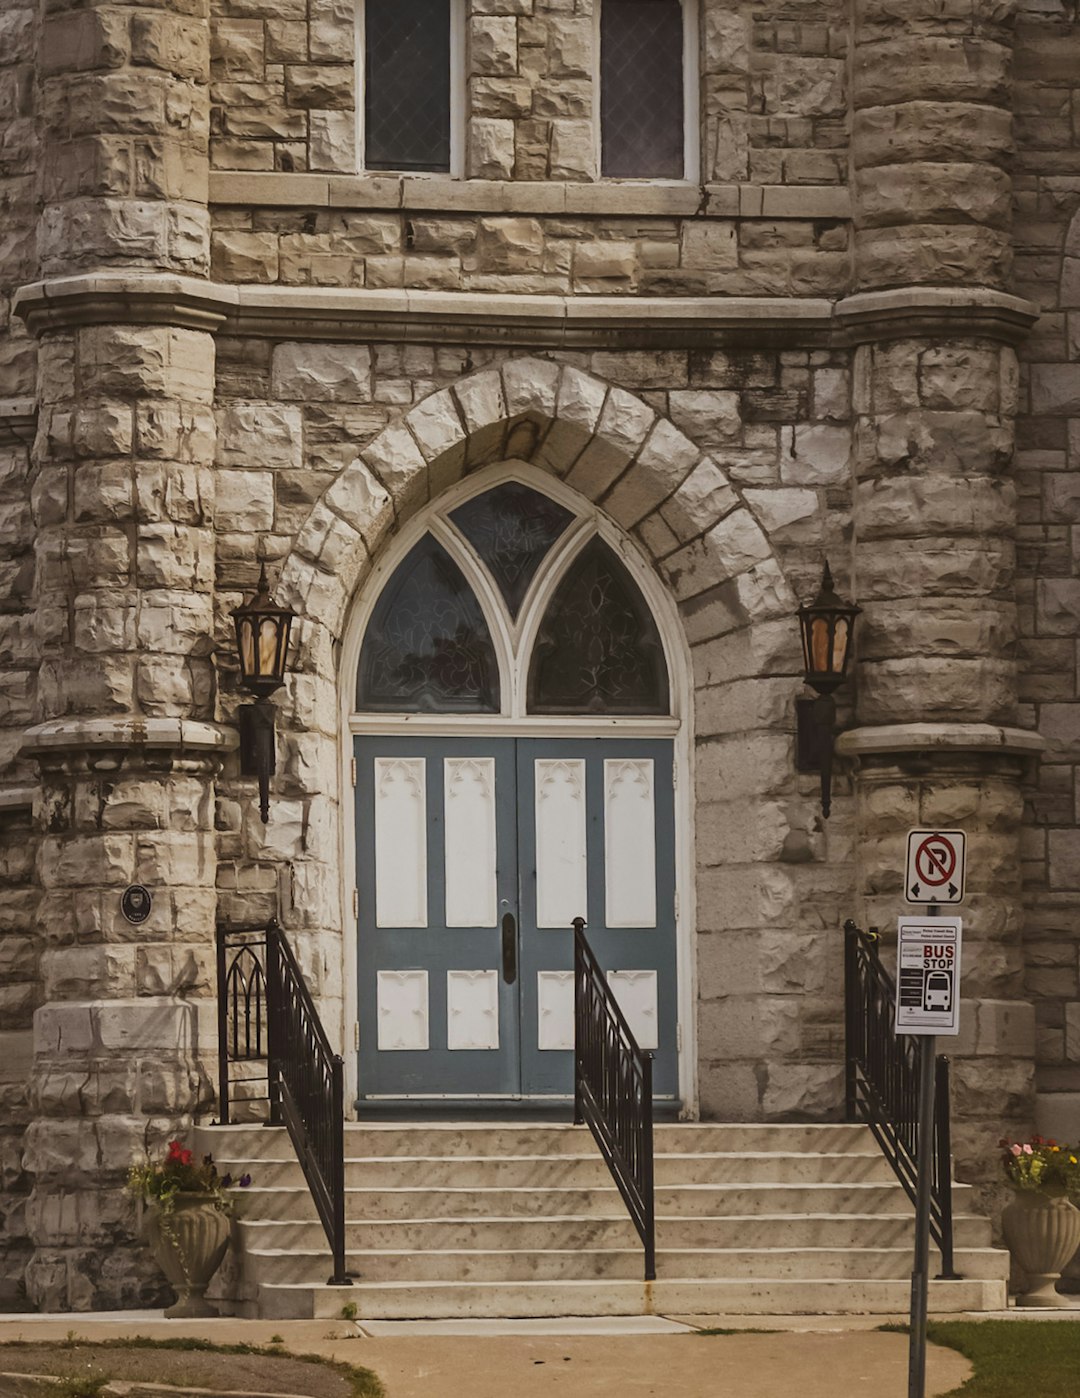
(512, 528)
(641, 88)
(407, 85)
(427, 647)
(598, 649)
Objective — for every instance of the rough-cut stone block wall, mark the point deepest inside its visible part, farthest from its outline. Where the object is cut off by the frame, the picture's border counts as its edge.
(19, 993)
(773, 89)
(798, 92)
(18, 256)
(931, 143)
(610, 256)
(19, 996)
(1047, 237)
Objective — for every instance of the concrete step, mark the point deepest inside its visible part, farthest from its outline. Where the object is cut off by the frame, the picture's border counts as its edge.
(850, 1231)
(697, 1201)
(370, 1139)
(575, 1171)
(503, 1219)
(674, 1296)
(294, 1267)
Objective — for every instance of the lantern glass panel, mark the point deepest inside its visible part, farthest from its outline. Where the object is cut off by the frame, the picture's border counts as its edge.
(268, 645)
(819, 642)
(247, 647)
(840, 645)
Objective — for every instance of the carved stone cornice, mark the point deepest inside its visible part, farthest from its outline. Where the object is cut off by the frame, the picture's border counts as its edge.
(557, 322)
(939, 738)
(60, 737)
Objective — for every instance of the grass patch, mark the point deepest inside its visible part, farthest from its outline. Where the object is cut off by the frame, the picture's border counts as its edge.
(1011, 1357)
(362, 1383)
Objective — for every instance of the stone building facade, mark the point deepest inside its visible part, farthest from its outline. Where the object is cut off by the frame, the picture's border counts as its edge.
(849, 331)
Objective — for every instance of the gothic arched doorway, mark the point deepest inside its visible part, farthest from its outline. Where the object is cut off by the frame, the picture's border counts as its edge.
(514, 729)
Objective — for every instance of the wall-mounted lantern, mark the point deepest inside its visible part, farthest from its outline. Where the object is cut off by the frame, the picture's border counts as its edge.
(826, 626)
(262, 643)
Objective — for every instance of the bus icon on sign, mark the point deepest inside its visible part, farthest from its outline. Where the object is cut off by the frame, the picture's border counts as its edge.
(937, 994)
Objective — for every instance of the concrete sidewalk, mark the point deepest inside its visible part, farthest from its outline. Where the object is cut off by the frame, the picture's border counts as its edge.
(815, 1356)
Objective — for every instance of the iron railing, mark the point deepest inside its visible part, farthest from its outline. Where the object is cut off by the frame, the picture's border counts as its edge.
(613, 1091)
(882, 1083)
(242, 1015)
(304, 1076)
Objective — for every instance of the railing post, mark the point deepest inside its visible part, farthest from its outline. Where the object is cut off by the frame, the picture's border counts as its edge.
(337, 1184)
(647, 1168)
(274, 1009)
(851, 1009)
(579, 1016)
(943, 1171)
(223, 1032)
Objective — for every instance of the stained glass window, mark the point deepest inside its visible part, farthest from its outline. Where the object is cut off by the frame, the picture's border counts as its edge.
(407, 85)
(641, 88)
(512, 528)
(427, 648)
(598, 649)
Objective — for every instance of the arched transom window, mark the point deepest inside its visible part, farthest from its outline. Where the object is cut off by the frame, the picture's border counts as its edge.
(512, 602)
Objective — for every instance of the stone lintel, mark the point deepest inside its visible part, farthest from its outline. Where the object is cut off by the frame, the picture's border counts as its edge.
(443, 194)
(66, 735)
(939, 737)
(18, 421)
(566, 322)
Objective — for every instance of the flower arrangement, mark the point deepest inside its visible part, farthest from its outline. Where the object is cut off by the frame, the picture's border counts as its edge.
(160, 1181)
(1041, 1166)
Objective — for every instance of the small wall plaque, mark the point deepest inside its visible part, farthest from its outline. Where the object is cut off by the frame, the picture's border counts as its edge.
(135, 903)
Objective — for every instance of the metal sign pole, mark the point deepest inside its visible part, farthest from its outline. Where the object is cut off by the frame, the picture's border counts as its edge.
(920, 1276)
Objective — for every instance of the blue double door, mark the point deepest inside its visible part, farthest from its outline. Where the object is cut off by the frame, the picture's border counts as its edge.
(474, 855)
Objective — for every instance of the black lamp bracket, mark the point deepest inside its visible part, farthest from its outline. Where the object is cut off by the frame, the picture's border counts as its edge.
(258, 748)
(815, 741)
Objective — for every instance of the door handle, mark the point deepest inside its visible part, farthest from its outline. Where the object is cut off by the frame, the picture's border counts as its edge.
(509, 948)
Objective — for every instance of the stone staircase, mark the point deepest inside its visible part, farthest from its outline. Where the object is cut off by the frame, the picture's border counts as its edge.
(473, 1220)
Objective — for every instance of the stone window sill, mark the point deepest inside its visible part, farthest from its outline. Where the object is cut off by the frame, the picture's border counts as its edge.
(441, 193)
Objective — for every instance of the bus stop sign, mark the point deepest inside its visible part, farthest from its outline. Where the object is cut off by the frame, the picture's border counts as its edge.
(928, 975)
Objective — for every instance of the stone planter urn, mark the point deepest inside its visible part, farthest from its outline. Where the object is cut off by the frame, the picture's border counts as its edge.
(188, 1244)
(1042, 1232)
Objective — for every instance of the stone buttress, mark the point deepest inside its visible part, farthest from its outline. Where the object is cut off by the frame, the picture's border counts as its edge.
(934, 517)
(122, 516)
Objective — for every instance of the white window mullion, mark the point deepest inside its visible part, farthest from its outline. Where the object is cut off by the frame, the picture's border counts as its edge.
(458, 90)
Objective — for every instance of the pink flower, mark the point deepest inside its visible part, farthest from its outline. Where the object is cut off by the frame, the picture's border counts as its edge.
(1028, 1150)
(1015, 1150)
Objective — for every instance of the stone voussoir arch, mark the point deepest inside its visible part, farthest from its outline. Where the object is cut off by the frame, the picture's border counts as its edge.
(604, 441)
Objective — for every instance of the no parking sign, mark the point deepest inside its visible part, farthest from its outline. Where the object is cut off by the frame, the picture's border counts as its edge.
(935, 866)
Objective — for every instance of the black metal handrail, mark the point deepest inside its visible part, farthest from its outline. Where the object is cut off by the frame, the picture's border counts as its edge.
(613, 1091)
(304, 1076)
(882, 1083)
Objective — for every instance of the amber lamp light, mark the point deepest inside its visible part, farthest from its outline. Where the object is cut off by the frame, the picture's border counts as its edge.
(826, 626)
(262, 645)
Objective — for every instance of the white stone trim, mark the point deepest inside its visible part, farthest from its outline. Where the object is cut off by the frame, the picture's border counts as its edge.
(380, 191)
(940, 737)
